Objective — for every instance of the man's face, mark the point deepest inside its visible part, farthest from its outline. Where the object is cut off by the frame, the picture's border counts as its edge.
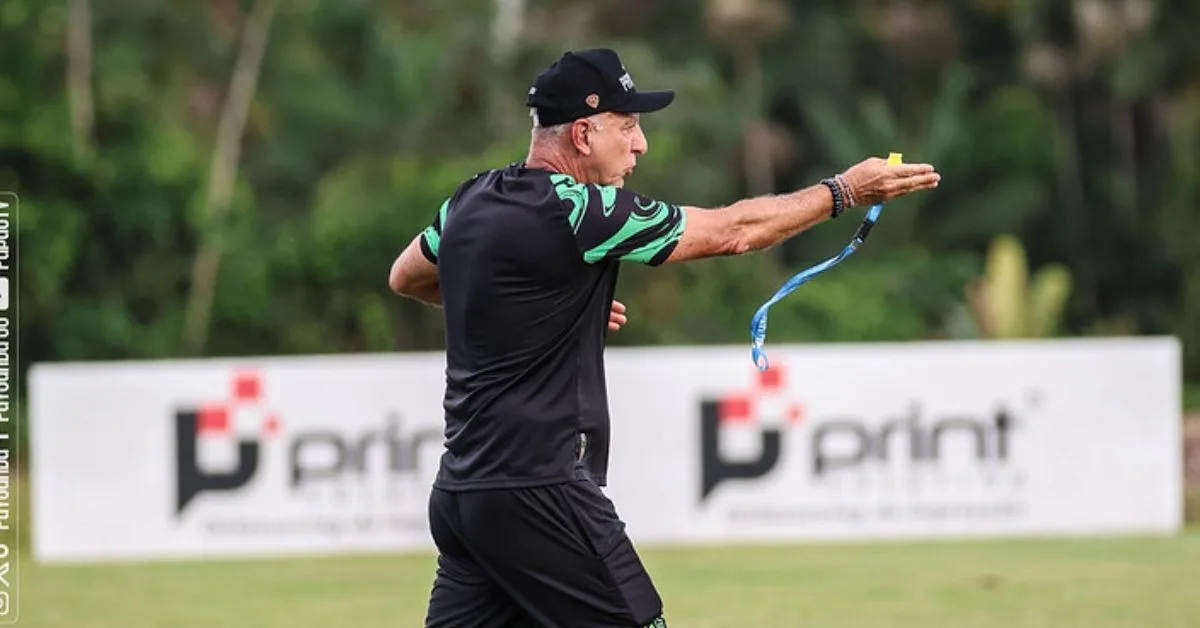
(615, 146)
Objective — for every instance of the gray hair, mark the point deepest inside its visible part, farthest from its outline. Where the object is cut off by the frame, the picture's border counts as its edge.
(558, 130)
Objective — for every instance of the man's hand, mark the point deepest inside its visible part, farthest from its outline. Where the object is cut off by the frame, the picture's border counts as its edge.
(873, 181)
(616, 316)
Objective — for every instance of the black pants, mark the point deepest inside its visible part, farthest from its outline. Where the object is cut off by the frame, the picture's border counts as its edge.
(551, 556)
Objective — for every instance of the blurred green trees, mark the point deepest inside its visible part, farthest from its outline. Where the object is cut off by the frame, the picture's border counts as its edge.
(1072, 126)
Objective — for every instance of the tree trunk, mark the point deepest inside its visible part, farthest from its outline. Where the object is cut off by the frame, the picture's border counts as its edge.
(507, 27)
(223, 174)
(79, 74)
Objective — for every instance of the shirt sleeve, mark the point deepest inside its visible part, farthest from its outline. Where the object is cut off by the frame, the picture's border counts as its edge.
(431, 237)
(612, 223)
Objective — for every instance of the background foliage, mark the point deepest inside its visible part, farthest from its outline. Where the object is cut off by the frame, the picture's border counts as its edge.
(1073, 126)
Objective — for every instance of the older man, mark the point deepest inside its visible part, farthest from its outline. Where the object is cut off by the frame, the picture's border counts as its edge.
(523, 260)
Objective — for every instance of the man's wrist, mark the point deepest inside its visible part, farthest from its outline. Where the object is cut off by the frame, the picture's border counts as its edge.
(847, 192)
(839, 196)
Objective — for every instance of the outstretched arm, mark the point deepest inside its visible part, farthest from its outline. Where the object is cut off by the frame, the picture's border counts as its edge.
(759, 223)
(751, 224)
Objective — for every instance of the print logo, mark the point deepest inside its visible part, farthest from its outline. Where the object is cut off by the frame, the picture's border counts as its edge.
(592, 101)
(220, 421)
(369, 465)
(898, 450)
(762, 405)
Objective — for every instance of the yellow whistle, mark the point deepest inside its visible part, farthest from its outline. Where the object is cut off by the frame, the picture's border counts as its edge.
(895, 158)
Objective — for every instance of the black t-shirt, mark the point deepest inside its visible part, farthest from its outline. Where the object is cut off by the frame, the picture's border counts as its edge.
(527, 262)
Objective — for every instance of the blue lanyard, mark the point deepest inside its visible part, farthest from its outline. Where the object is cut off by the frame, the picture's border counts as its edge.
(758, 324)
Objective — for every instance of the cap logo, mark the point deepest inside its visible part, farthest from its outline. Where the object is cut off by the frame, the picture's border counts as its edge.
(592, 101)
(626, 81)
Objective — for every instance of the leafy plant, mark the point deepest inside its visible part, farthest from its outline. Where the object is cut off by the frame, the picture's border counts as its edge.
(1008, 302)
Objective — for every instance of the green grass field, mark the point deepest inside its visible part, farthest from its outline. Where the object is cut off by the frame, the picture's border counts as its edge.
(1134, 583)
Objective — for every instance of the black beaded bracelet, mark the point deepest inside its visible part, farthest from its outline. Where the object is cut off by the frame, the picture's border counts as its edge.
(839, 203)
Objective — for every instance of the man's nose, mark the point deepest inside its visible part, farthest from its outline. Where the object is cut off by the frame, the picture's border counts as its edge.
(640, 145)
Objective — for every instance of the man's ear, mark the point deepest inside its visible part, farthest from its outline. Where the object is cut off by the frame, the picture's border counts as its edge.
(581, 136)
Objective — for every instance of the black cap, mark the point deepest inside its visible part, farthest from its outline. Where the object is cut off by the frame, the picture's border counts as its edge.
(586, 82)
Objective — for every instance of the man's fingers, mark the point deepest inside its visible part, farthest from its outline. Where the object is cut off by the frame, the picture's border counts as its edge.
(926, 182)
(911, 170)
(616, 316)
(901, 187)
(916, 181)
(921, 181)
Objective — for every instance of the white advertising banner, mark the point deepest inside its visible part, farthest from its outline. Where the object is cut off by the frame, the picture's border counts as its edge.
(247, 457)
(887, 441)
(268, 456)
